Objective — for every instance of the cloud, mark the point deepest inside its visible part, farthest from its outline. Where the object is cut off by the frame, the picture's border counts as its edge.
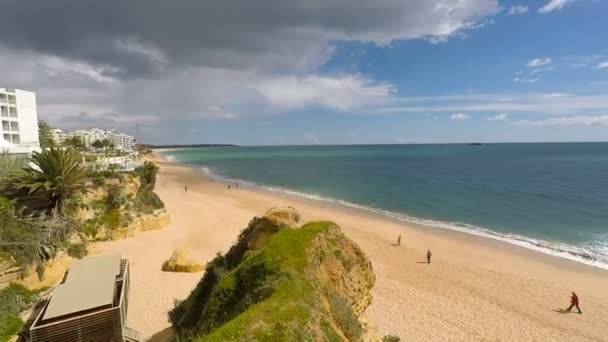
(312, 137)
(459, 116)
(602, 65)
(525, 80)
(517, 10)
(536, 62)
(538, 103)
(554, 5)
(499, 117)
(192, 60)
(581, 120)
(339, 93)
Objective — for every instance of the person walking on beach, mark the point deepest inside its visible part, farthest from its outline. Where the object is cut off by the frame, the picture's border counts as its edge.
(573, 303)
(185, 188)
(428, 256)
(399, 240)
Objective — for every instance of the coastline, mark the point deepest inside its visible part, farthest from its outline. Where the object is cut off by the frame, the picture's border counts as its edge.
(552, 249)
(473, 288)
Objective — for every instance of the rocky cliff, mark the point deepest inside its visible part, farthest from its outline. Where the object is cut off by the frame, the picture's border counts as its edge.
(281, 282)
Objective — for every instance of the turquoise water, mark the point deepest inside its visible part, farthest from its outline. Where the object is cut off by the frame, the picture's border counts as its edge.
(549, 197)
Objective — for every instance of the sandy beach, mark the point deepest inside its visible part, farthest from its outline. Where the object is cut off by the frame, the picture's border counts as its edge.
(475, 289)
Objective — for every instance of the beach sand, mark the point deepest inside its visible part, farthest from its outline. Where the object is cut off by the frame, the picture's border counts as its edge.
(475, 289)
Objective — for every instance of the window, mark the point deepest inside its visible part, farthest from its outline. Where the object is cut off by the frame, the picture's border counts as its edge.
(4, 111)
(3, 98)
(16, 139)
(7, 137)
(15, 126)
(6, 126)
(13, 112)
(11, 99)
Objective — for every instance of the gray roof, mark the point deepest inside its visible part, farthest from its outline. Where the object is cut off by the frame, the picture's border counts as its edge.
(90, 284)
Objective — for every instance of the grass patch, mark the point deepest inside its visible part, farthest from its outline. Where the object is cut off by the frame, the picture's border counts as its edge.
(266, 297)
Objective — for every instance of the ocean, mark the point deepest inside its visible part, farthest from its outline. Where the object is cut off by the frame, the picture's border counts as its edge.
(549, 197)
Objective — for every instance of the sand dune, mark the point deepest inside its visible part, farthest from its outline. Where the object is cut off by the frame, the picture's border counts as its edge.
(475, 288)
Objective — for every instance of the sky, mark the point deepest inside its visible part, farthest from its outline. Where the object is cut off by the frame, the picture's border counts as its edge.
(278, 72)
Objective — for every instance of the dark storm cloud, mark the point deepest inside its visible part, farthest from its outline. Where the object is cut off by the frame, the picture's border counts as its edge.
(140, 37)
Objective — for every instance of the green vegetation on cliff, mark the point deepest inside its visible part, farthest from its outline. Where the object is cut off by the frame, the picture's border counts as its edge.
(281, 284)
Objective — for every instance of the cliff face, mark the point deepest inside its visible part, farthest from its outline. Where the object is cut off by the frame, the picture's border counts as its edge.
(280, 283)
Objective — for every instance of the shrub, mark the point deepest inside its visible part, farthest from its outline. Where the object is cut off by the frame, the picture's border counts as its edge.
(146, 201)
(147, 175)
(111, 219)
(14, 299)
(391, 338)
(344, 316)
(114, 198)
(90, 228)
(10, 324)
(99, 180)
(77, 250)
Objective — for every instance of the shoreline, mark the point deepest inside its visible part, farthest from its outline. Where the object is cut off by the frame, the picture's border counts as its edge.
(515, 241)
(475, 289)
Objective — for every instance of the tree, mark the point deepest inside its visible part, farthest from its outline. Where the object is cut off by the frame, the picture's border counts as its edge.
(45, 136)
(74, 142)
(106, 144)
(43, 186)
(98, 145)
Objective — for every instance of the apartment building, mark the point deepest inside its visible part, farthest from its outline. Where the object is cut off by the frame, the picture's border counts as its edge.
(19, 118)
(122, 141)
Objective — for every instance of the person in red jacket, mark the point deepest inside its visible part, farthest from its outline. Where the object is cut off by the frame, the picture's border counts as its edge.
(574, 302)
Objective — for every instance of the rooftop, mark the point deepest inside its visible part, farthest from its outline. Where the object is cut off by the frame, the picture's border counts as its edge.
(90, 284)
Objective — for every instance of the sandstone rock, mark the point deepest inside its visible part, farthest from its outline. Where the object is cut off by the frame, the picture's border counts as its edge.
(181, 262)
(287, 216)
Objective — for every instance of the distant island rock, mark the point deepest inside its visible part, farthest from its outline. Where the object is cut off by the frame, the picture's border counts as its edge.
(281, 282)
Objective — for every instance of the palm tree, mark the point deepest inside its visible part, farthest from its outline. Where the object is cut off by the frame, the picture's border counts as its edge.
(97, 145)
(50, 178)
(75, 142)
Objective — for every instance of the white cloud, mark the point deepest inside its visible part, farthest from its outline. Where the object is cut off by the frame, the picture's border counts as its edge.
(312, 137)
(554, 5)
(499, 117)
(459, 116)
(525, 80)
(580, 120)
(517, 10)
(340, 93)
(536, 62)
(539, 103)
(602, 65)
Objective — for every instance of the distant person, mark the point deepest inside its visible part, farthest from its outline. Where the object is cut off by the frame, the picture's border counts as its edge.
(236, 185)
(428, 256)
(574, 302)
(228, 186)
(185, 188)
(399, 240)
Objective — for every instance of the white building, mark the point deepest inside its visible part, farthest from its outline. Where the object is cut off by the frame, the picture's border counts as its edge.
(121, 141)
(19, 116)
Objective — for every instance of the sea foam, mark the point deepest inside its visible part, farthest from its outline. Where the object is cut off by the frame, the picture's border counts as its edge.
(595, 254)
